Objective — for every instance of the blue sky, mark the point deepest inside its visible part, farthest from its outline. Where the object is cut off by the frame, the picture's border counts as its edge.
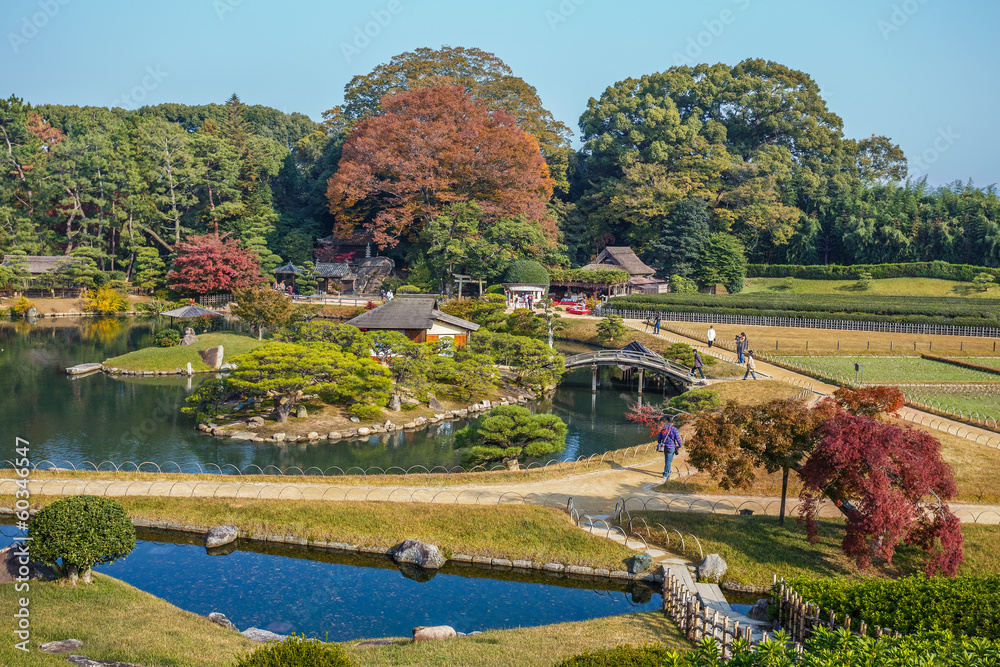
(922, 72)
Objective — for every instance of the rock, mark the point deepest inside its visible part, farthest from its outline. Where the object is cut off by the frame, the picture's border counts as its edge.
(84, 661)
(312, 435)
(415, 572)
(434, 404)
(301, 412)
(279, 437)
(220, 535)
(409, 400)
(713, 568)
(394, 403)
(420, 421)
(224, 550)
(334, 435)
(364, 431)
(221, 619)
(262, 636)
(279, 627)
(64, 646)
(255, 422)
(242, 435)
(425, 555)
(31, 313)
(640, 563)
(355, 420)
(410, 425)
(433, 633)
(292, 438)
(758, 612)
(189, 338)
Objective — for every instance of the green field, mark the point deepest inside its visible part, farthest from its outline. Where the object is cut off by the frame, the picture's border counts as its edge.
(974, 400)
(885, 287)
(893, 370)
(172, 358)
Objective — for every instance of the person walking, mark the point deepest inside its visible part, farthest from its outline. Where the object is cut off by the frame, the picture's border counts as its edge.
(751, 367)
(711, 335)
(669, 438)
(656, 325)
(698, 364)
(740, 347)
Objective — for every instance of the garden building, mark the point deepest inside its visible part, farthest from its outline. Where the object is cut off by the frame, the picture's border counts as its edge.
(417, 317)
(624, 258)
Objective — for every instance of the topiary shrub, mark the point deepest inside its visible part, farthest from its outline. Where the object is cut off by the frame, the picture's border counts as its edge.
(408, 289)
(696, 400)
(76, 533)
(526, 272)
(295, 652)
(366, 413)
(494, 289)
(625, 656)
(168, 338)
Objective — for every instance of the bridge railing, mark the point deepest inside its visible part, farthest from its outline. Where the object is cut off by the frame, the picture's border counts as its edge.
(653, 362)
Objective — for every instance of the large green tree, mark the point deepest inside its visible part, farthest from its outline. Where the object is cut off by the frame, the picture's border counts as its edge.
(511, 432)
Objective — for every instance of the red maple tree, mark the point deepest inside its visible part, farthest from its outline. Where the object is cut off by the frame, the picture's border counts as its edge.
(430, 148)
(891, 484)
(206, 264)
(871, 401)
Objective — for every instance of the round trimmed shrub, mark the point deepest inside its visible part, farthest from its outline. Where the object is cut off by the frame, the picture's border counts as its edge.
(408, 289)
(527, 272)
(76, 533)
(295, 652)
(366, 413)
(168, 338)
(696, 400)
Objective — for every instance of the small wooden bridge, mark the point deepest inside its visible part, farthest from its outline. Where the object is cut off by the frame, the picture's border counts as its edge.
(675, 373)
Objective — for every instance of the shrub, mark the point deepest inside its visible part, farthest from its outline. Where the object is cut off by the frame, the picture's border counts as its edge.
(943, 270)
(168, 338)
(408, 289)
(22, 306)
(612, 330)
(511, 431)
(681, 285)
(527, 272)
(696, 400)
(682, 353)
(105, 299)
(624, 656)
(366, 413)
(295, 651)
(494, 289)
(76, 533)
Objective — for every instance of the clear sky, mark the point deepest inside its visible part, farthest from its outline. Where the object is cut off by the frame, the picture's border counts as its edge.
(923, 72)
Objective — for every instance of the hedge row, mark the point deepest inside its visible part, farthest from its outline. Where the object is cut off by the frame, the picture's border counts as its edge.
(968, 606)
(589, 277)
(908, 310)
(944, 270)
(964, 364)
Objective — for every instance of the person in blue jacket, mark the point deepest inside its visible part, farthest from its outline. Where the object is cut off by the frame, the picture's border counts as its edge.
(670, 439)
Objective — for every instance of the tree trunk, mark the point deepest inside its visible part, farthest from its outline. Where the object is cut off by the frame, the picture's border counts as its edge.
(284, 408)
(784, 494)
(88, 576)
(74, 574)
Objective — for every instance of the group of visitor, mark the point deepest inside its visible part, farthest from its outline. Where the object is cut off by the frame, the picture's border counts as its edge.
(284, 289)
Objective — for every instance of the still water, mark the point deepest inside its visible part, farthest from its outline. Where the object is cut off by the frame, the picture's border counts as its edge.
(342, 597)
(100, 418)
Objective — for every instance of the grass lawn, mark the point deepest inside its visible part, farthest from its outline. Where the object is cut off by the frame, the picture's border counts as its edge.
(172, 358)
(118, 622)
(895, 370)
(756, 547)
(586, 330)
(835, 342)
(882, 287)
(541, 534)
(973, 400)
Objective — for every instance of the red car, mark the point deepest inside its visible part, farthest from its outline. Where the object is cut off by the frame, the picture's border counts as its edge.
(569, 301)
(579, 309)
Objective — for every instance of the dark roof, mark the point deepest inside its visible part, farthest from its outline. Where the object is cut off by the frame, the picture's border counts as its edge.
(646, 281)
(289, 268)
(359, 237)
(621, 257)
(191, 311)
(36, 264)
(416, 311)
(638, 348)
(331, 270)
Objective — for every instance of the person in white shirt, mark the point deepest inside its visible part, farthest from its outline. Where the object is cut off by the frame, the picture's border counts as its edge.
(711, 335)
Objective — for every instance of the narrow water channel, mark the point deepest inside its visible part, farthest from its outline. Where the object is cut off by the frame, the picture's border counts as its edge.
(342, 597)
(99, 418)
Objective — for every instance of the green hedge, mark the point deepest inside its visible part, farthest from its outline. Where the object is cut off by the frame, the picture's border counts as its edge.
(944, 270)
(594, 277)
(901, 309)
(968, 606)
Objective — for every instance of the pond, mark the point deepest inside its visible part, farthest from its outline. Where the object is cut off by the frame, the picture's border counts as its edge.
(341, 597)
(100, 418)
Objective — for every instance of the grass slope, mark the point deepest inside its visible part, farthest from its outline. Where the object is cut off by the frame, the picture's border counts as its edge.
(171, 358)
(895, 370)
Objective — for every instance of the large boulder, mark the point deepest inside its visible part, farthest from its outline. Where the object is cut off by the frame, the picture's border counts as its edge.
(221, 535)
(640, 563)
(212, 356)
(426, 556)
(435, 404)
(433, 633)
(262, 636)
(713, 568)
(189, 337)
(395, 404)
(64, 646)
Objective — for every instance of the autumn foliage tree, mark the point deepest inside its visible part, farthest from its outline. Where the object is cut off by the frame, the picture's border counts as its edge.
(428, 149)
(891, 483)
(871, 401)
(206, 264)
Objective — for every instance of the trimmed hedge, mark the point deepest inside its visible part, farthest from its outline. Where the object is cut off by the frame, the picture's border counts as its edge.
(962, 363)
(943, 270)
(968, 606)
(901, 309)
(590, 277)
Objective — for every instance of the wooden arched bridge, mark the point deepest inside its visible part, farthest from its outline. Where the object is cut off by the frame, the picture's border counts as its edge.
(675, 373)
